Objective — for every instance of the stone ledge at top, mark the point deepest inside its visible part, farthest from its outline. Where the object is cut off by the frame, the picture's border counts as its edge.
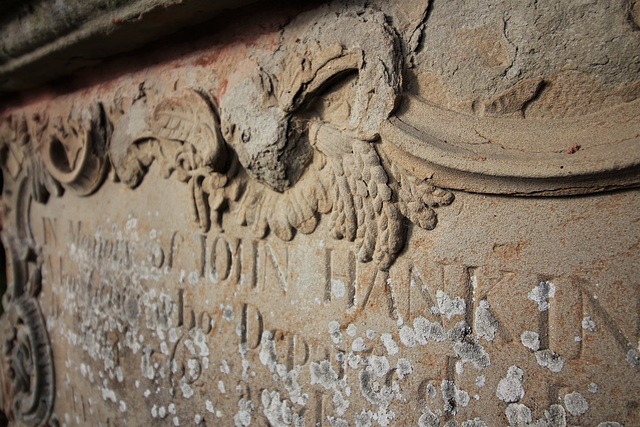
(44, 39)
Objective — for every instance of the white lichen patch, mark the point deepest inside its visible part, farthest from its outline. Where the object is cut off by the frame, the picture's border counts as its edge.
(530, 340)
(471, 351)
(131, 224)
(541, 294)
(268, 356)
(194, 369)
(453, 397)
(428, 419)
(353, 360)
(476, 422)
(403, 368)
(575, 403)
(242, 418)
(550, 360)
(278, 411)
(200, 341)
(228, 314)
(358, 345)
(518, 414)
(384, 417)
(338, 288)
(633, 358)
(352, 330)
(290, 381)
(187, 390)
(556, 416)
(408, 336)
(593, 387)
(486, 325)
(373, 391)
(162, 412)
(334, 332)
(337, 422)
(341, 404)
(425, 330)
(510, 388)
(193, 278)
(450, 307)
(390, 344)
(588, 324)
(379, 365)
(323, 373)
(432, 392)
(108, 394)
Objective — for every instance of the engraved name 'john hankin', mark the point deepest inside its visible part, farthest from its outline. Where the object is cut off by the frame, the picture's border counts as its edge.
(294, 139)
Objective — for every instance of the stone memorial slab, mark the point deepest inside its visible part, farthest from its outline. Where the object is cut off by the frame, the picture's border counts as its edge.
(332, 214)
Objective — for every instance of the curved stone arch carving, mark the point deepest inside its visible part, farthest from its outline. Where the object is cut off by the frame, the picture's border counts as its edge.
(600, 151)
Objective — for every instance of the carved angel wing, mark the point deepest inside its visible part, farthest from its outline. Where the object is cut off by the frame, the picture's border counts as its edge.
(363, 209)
(369, 208)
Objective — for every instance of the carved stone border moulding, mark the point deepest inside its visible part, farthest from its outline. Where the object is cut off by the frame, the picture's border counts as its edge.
(317, 128)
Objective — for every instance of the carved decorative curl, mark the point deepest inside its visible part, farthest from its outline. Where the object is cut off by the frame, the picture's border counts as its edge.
(74, 150)
(26, 363)
(183, 136)
(71, 152)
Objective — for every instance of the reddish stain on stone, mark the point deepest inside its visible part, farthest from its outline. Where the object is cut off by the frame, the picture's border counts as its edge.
(222, 89)
(205, 60)
(573, 149)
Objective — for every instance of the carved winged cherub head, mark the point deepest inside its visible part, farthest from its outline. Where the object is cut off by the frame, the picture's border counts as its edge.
(266, 112)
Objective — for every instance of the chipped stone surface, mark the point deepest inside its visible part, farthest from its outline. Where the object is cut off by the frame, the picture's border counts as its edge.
(265, 222)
